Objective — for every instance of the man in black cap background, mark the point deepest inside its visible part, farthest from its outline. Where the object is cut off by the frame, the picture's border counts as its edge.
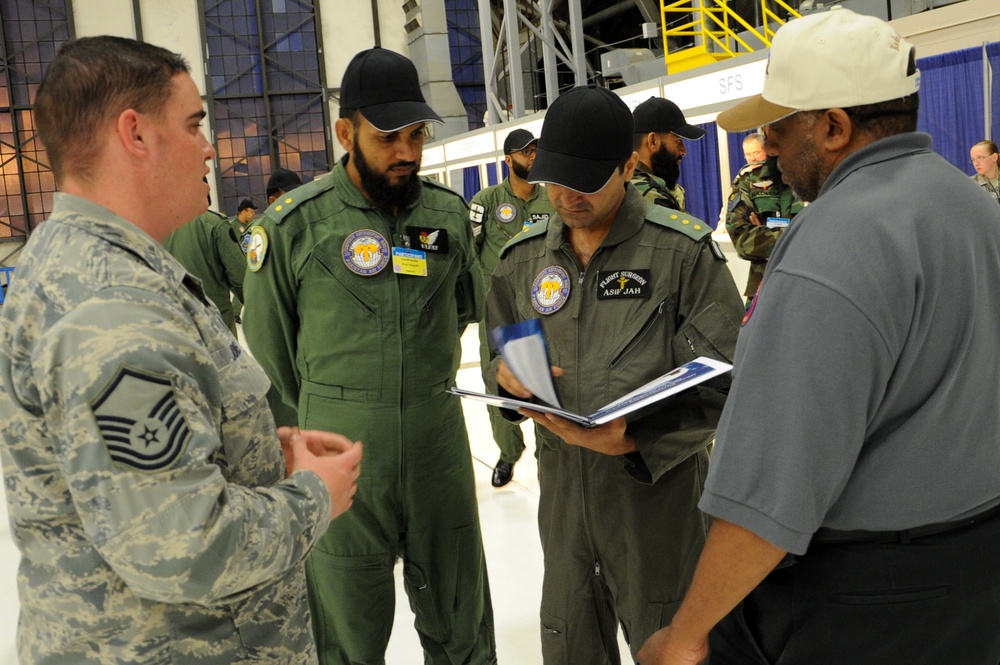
(626, 291)
(280, 182)
(498, 213)
(359, 285)
(660, 130)
(244, 216)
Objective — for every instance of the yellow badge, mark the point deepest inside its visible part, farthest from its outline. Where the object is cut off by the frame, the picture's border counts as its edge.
(409, 262)
(256, 248)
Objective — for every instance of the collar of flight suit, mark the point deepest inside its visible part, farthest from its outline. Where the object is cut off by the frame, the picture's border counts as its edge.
(629, 220)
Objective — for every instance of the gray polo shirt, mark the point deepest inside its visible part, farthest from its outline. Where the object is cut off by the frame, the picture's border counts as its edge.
(874, 337)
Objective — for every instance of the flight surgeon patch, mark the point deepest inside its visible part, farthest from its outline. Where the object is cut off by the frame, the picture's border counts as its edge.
(142, 425)
(365, 252)
(550, 290)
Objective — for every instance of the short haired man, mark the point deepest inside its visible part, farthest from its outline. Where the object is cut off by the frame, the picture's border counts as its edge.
(360, 285)
(878, 472)
(244, 215)
(498, 213)
(207, 247)
(636, 291)
(660, 130)
(760, 208)
(280, 183)
(145, 481)
(753, 148)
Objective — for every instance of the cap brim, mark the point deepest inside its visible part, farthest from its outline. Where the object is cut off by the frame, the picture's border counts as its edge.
(396, 115)
(752, 113)
(689, 132)
(582, 175)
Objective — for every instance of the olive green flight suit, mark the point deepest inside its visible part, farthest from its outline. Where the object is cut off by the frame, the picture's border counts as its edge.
(756, 189)
(621, 534)
(358, 349)
(208, 248)
(497, 215)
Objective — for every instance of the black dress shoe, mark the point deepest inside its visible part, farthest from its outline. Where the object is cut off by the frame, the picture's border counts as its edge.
(502, 474)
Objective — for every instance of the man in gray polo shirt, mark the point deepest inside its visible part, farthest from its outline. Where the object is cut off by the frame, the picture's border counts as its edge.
(876, 327)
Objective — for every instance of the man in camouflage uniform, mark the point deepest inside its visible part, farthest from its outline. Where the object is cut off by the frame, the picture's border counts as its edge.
(498, 213)
(360, 285)
(660, 130)
(144, 478)
(207, 247)
(760, 207)
(636, 290)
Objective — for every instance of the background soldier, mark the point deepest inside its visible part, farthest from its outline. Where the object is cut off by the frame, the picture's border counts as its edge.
(208, 248)
(361, 283)
(144, 478)
(498, 213)
(660, 130)
(760, 208)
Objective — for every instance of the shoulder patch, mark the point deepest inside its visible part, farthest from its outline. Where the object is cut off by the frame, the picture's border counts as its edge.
(537, 229)
(256, 248)
(289, 201)
(689, 225)
(142, 425)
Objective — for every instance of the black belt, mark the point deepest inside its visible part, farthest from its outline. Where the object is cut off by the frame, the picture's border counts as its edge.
(826, 536)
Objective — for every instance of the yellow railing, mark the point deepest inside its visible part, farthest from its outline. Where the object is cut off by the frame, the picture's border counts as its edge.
(712, 22)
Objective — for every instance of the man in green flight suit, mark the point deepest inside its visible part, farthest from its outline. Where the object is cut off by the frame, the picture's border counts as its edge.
(243, 219)
(660, 130)
(760, 207)
(208, 248)
(360, 285)
(498, 213)
(626, 291)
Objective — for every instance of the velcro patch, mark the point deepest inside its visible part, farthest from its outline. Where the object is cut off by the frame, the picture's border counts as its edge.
(476, 212)
(141, 422)
(614, 284)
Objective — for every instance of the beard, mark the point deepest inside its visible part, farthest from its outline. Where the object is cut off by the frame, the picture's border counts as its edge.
(520, 170)
(808, 175)
(666, 166)
(378, 187)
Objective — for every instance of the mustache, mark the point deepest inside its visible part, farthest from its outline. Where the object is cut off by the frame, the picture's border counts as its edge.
(392, 166)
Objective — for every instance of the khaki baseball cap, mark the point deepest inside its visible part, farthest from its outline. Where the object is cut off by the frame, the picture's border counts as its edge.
(835, 59)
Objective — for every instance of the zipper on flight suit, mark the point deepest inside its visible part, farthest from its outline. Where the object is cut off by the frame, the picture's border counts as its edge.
(582, 272)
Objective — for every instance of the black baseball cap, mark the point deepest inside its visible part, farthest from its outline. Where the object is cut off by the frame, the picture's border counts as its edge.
(283, 180)
(383, 85)
(587, 133)
(657, 114)
(519, 139)
(246, 203)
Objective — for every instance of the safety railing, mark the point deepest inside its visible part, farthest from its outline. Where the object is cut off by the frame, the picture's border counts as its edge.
(714, 28)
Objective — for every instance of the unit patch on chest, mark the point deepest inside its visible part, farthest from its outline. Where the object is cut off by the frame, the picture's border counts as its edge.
(428, 240)
(616, 284)
(365, 252)
(550, 290)
(506, 212)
